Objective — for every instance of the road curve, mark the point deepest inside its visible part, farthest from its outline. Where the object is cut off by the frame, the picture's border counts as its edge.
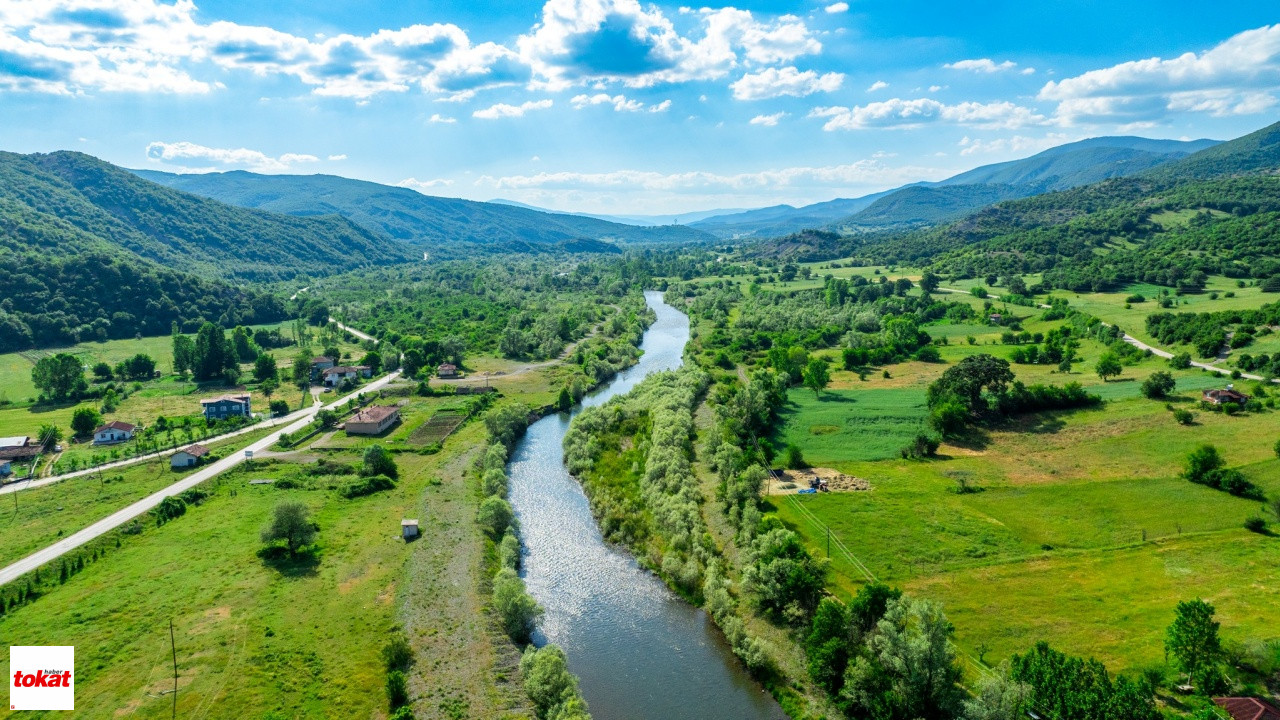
(120, 517)
(353, 331)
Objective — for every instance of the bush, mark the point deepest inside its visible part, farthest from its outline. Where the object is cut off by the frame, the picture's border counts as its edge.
(495, 516)
(1256, 524)
(367, 486)
(1158, 385)
(291, 522)
(378, 461)
(794, 458)
(1184, 417)
(550, 685)
(517, 609)
(397, 689)
(921, 447)
(397, 654)
(1181, 361)
(169, 509)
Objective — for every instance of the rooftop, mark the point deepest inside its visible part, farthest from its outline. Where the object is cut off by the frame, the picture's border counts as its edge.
(374, 414)
(1242, 708)
(116, 425)
(239, 398)
(195, 450)
(15, 441)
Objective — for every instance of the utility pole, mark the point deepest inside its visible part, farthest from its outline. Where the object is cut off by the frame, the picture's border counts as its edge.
(174, 649)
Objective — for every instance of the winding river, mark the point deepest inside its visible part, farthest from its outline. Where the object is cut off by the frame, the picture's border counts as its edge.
(641, 652)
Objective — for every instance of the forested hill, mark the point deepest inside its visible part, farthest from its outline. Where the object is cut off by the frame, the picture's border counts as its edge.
(114, 209)
(1214, 212)
(442, 226)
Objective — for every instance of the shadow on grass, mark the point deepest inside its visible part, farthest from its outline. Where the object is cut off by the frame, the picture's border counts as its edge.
(291, 565)
(830, 397)
(973, 438)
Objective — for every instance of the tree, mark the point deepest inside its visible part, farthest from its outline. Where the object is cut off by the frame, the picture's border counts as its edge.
(84, 420)
(999, 698)
(517, 609)
(212, 355)
(1181, 361)
(290, 522)
(242, 345)
(550, 685)
(49, 435)
(373, 360)
(59, 376)
(495, 516)
(1108, 366)
(565, 401)
(1203, 463)
(302, 370)
(816, 375)
(184, 351)
(929, 281)
(101, 372)
(1192, 638)
(379, 461)
(264, 368)
(1158, 385)
(968, 379)
(1015, 284)
(279, 407)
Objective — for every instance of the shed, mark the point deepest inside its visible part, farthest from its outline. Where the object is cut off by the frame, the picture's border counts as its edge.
(1222, 397)
(188, 456)
(409, 528)
(447, 370)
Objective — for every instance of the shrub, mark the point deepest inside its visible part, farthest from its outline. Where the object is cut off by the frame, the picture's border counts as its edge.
(495, 516)
(921, 447)
(291, 522)
(1181, 361)
(397, 689)
(550, 685)
(517, 609)
(1184, 417)
(397, 654)
(1256, 524)
(378, 461)
(794, 458)
(1158, 385)
(367, 486)
(169, 509)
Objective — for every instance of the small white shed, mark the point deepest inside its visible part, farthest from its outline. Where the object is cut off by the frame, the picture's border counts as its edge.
(409, 528)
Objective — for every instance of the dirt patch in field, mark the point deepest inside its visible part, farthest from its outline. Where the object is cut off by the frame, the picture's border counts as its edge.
(799, 480)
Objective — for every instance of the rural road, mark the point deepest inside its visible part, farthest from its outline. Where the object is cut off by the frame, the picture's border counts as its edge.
(28, 484)
(353, 331)
(1143, 346)
(120, 517)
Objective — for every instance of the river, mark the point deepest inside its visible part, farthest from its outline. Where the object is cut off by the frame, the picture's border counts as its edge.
(640, 651)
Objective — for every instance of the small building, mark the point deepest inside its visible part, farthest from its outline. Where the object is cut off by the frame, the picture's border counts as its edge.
(226, 406)
(373, 420)
(16, 453)
(409, 528)
(319, 364)
(113, 432)
(447, 370)
(1222, 397)
(1247, 708)
(17, 441)
(188, 456)
(334, 376)
(995, 319)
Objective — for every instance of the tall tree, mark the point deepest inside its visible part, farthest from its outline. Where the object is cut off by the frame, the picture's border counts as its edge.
(184, 351)
(816, 375)
(1192, 638)
(1108, 366)
(59, 376)
(212, 354)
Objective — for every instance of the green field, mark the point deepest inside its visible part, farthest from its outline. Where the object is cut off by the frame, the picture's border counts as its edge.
(1088, 500)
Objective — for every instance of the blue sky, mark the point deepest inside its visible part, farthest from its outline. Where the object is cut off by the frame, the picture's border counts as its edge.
(613, 106)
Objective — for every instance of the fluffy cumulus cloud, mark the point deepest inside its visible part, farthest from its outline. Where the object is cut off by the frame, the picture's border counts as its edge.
(839, 7)
(981, 65)
(899, 113)
(424, 185)
(503, 110)
(777, 82)
(768, 120)
(1239, 76)
(877, 85)
(580, 41)
(620, 103)
(860, 173)
(86, 46)
(182, 153)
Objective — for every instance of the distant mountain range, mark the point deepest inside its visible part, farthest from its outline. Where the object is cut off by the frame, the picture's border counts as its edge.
(444, 227)
(645, 220)
(1066, 166)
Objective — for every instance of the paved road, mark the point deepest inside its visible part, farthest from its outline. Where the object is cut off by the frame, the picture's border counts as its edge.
(353, 331)
(27, 484)
(1143, 346)
(120, 517)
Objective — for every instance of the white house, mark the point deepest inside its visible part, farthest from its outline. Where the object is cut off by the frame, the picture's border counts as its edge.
(335, 375)
(113, 432)
(188, 456)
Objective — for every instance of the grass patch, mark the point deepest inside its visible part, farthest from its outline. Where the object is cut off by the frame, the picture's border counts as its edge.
(851, 425)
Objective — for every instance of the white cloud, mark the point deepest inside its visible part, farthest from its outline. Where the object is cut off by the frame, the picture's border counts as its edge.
(237, 157)
(768, 120)
(620, 103)
(1238, 76)
(422, 185)
(503, 110)
(935, 88)
(899, 113)
(981, 65)
(337, 158)
(877, 85)
(862, 172)
(1028, 71)
(776, 82)
(583, 41)
(661, 107)
(839, 7)
(441, 119)
(1014, 145)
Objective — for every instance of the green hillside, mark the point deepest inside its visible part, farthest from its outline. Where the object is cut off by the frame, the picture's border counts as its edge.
(442, 226)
